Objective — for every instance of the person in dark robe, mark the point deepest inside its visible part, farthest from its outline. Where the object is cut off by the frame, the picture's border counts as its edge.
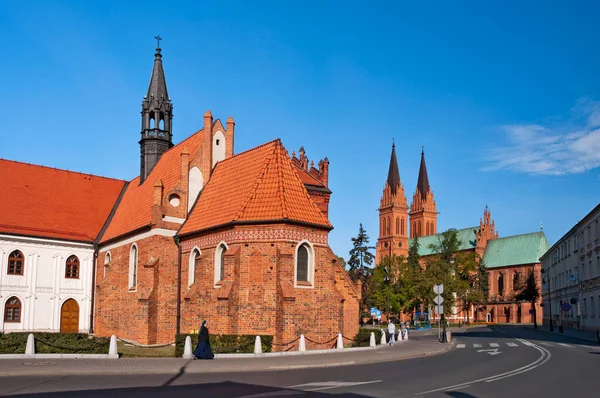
(203, 350)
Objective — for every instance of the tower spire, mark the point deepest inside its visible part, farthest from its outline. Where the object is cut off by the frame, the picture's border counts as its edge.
(393, 178)
(423, 181)
(157, 118)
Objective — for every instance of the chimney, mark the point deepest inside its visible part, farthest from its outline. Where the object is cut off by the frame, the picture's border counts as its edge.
(158, 192)
(230, 131)
(324, 171)
(185, 154)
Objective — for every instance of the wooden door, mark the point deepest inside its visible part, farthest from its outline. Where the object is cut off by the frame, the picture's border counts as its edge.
(69, 317)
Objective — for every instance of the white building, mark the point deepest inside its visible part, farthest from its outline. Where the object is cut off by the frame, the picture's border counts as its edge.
(571, 273)
(50, 221)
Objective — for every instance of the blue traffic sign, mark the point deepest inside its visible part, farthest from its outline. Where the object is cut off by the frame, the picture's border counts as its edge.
(378, 313)
(373, 310)
(566, 306)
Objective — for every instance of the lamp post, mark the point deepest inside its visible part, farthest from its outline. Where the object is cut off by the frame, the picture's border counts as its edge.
(548, 282)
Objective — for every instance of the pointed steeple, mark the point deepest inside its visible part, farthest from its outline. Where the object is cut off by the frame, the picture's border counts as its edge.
(158, 84)
(393, 174)
(157, 118)
(423, 181)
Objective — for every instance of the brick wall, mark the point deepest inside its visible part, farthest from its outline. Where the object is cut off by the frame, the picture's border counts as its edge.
(257, 295)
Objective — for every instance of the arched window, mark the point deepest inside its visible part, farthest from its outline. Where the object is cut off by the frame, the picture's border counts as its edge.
(220, 262)
(413, 230)
(402, 226)
(382, 227)
(12, 310)
(15, 263)
(500, 284)
(389, 227)
(427, 228)
(397, 225)
(72, 268)
(107, 258)
(419, 230)
(133, 266)
(516, 278)
(194, 258)
(304, 265)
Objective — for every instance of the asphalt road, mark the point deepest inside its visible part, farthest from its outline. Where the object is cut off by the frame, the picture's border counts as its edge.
(498, 362)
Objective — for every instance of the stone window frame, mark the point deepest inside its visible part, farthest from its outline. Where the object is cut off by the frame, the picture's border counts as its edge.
(192, 265)
(134, 255)
(219, 269)
(18, 305)
(11, 257)
(72, 267)
(310, 272)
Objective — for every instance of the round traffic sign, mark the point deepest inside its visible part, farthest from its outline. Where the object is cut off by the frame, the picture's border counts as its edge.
(565, 306)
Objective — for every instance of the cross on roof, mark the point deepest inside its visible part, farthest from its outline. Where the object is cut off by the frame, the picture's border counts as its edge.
(158, 39)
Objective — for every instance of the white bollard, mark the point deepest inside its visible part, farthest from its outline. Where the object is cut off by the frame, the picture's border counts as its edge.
(383, 340)
(372, 340)
(30, 347)
(187, 348)
(302, 344)
(112, 348)
(406, 335)
(399, 339)
(257, 345)
(340, 342)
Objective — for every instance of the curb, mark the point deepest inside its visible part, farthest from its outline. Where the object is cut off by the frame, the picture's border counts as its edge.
(567, 336)
(59, 356)
(294, 353)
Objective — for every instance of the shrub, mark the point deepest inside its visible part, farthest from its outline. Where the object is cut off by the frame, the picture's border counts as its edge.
(226, 343)
(363, 337)
(54, 343)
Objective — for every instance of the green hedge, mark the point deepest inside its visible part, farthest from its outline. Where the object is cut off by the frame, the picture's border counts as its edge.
(54, 343)
(226, 343)
(363, 337)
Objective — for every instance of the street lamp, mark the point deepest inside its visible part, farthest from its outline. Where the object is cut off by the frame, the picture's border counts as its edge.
(548, 283)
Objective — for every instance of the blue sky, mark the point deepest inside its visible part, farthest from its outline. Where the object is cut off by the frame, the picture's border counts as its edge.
(505, 96)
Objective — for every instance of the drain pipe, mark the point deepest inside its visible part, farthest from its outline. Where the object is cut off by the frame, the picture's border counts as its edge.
(94, 266)
(178, 243)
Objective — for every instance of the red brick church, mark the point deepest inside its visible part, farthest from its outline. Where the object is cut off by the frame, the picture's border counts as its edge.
(508, 259)
(204, 233)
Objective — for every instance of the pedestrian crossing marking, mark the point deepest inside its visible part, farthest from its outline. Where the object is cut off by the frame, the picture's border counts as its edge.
(494, 345)
(565, 345)
(546, 344)
(477, 345)
(461, 346)
(512, 344)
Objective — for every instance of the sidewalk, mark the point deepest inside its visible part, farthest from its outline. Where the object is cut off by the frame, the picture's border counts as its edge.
(591, 337)
(30, 367)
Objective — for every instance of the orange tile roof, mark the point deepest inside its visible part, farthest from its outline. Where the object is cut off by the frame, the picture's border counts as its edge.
(257, 185)
(135, 209)
(51, 203)
(306, 177)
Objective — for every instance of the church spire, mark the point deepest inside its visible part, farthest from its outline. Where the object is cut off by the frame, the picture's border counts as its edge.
(157, 118)
(393, 179)
(423, 181)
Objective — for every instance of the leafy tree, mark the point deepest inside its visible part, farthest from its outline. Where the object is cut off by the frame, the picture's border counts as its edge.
(530, 293)
(360, 261)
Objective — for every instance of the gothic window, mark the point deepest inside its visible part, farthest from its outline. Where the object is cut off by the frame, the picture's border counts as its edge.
(12, 310)
(419, 230)
(389, 227)
(304, 265)
(383, 226)
(402, 226)
(220, 263)
(413, 230)
(194, 258)
(397, 225)
(500, 284)
(72, 268)
(107, 258)
(427, 231)
(15, 263)
(133, 266)
(516, 278)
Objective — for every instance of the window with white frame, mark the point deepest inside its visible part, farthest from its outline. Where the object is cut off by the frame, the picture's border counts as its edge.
(220, 262)
(133, 266)
(305, 265)
(194, 258)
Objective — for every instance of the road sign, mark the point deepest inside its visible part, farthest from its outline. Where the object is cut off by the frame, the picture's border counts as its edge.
(439, 309)
(377, 313)
(373, 310)
(565, 306)
(438, 300)
(438, 289)
(491, 351)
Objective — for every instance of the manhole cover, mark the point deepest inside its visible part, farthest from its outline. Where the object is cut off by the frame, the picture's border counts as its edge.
(39, 363)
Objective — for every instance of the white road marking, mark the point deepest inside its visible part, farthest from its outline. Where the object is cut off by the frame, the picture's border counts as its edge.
(326, 385)
(546, 344)
(477, 345)
(512, 344)
(565, 345)
(491, 351)
(544, 357)
(275, 394)
(494, 345)
(460, 345)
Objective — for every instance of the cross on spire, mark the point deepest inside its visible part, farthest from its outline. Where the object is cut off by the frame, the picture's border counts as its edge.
(158, 39)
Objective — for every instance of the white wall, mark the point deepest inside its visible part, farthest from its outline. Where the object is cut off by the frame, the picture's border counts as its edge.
(218, 147)
(43, 288)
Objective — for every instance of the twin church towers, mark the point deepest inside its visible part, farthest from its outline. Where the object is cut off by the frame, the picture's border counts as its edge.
(396, 219)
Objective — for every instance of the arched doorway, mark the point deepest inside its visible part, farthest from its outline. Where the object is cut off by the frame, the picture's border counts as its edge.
(69, 317)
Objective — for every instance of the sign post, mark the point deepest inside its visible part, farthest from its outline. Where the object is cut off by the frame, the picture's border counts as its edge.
(439, 307)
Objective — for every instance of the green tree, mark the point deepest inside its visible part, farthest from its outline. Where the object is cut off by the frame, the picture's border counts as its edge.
(442, 268)
(530, 293)
(360, 263)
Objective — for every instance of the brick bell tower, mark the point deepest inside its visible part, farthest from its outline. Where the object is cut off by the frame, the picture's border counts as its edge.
(423, 213)
(157, 118)
(393, 216)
